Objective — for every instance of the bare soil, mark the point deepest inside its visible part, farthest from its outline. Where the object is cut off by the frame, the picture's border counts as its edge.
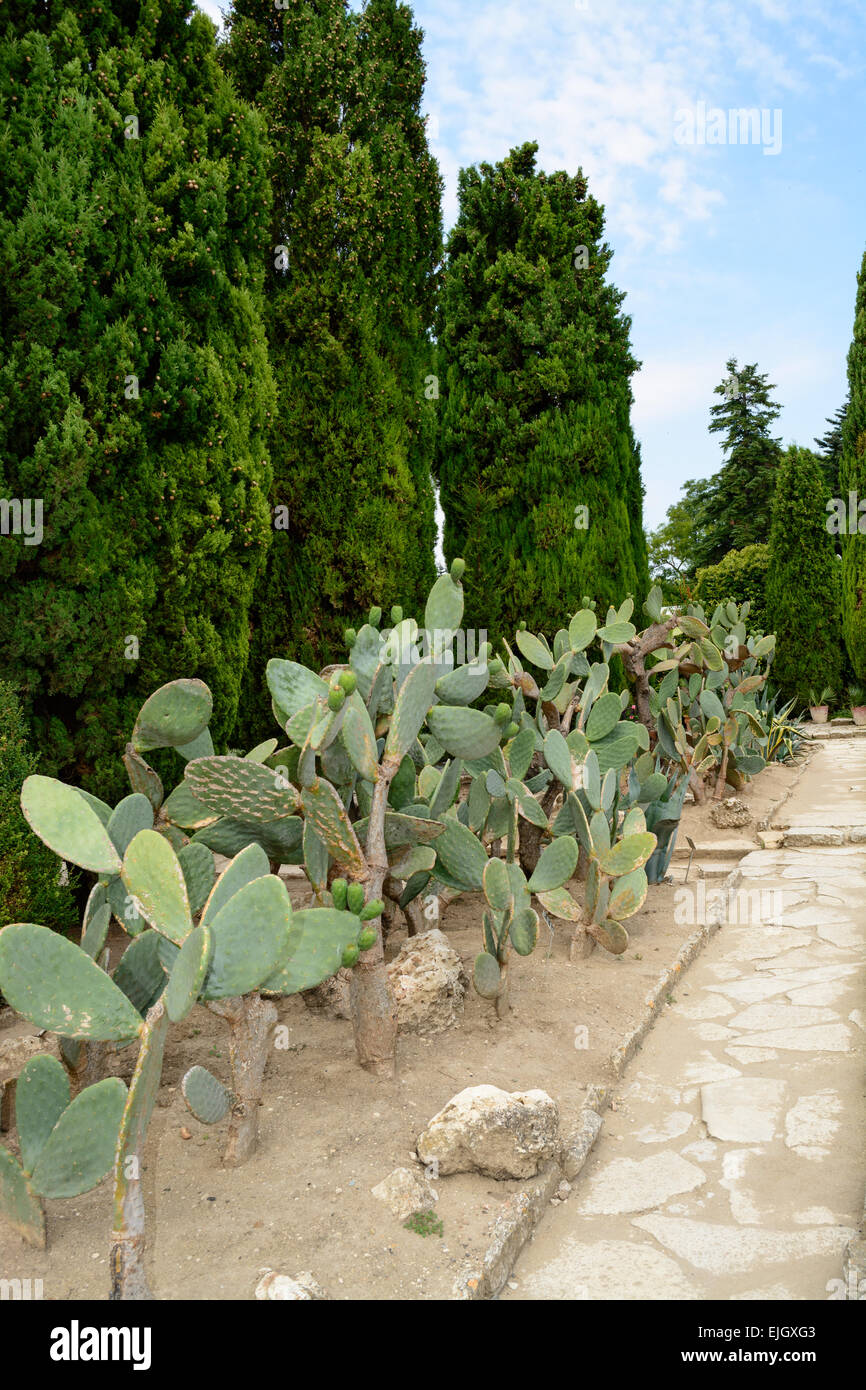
(330, 1132)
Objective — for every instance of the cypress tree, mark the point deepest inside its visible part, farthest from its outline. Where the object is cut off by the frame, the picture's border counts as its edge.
(535, 425)
(852, 477)
(803, 581)
(350, 306)
(134, 381)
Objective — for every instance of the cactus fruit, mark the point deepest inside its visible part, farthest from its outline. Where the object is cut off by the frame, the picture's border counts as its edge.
(339, 893)
(350, 956)
(348, 681)
(355, 897)
(396, 615)
(350, 637)
(336, 698)
(367, 939)
(503, 714)
(375, 617)
(458, 569)
(372, 910)
(512, 730)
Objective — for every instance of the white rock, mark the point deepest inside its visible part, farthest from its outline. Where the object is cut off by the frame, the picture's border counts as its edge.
(745, 1111)
(429, 982)
(280, 1288)
(405, 1193)
(484, 1129)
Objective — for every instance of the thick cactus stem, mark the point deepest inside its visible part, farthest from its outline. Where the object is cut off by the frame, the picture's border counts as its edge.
(374, 1013)
(128, 1278)
(251, 1020)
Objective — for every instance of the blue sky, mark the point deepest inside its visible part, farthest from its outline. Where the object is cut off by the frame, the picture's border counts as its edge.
(723, 250)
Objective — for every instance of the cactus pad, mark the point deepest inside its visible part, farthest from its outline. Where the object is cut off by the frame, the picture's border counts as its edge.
(153, 875)
(19, 1204)
(242, 958)
(206, 1098)
(325, 933)
(460, 856)
(609, 934)
(464, 733)
(325, 811)
(56, 986)
(237, 787)
(486, 975)
(555, 866)
(139, 971)
(68, 824)
(173, 716)
(199, 872)
(80, 1149)
(132, 814)
(629, 854)
(293, 686)
(188, 973)
(41, 1096)
(413, 702)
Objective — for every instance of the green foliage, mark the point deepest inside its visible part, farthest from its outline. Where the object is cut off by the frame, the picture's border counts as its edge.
(30, 887)
(424, 1223)
(535, 362)
(803, 581)
(350, 307)
(676, 547)
(737, 507)
(852, 478)
(741, 577)
(128, 257)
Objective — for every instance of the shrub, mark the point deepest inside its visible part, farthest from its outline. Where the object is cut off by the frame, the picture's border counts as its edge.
(741, 577)
(30, 888)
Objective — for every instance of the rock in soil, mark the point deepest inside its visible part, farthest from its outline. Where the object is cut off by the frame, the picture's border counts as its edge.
(283, 1289)
(405, 1194)
(497, 1133)
(730, 815)
(429, 983)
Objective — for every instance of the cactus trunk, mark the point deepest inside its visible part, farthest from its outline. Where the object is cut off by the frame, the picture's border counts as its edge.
(128, 1278)
(374, 1014)
(251, 1020)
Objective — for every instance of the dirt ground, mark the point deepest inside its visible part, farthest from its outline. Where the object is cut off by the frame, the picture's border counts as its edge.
(330, 1132)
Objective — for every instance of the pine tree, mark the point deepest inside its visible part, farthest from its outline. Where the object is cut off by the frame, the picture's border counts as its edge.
(803, 581)
(830, 449)
(538, 468)
(852, 478)
(350, 307)
(736, 510)
(134, 380)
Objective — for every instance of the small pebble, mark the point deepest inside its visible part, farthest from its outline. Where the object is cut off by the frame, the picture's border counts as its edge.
(184, 1133)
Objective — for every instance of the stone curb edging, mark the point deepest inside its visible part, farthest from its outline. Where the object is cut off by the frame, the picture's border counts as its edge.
(854, 1265)
(801, 836)
(520, 1215)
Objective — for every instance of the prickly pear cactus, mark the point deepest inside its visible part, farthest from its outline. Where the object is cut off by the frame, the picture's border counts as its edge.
(67, 1147)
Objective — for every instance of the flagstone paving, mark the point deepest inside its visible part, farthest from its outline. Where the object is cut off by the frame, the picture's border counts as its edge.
(732, 1163)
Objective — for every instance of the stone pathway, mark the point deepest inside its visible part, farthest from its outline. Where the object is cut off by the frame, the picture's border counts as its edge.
(733, 1164)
